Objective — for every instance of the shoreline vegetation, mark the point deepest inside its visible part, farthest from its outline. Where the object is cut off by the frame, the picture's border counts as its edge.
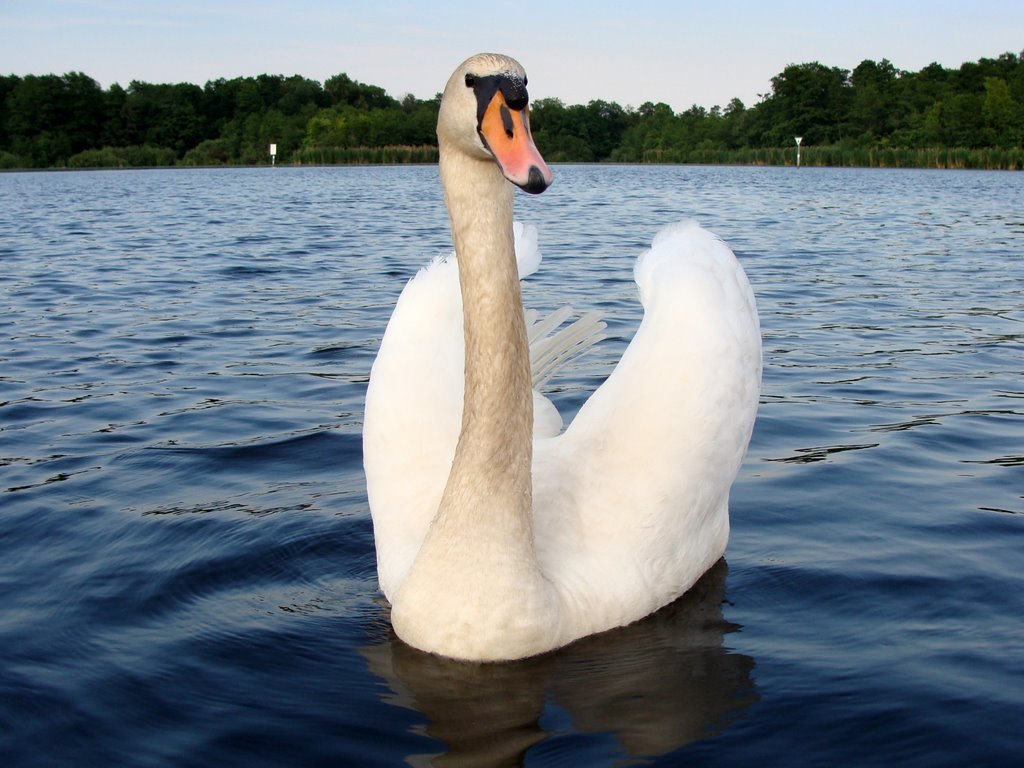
(874, 116)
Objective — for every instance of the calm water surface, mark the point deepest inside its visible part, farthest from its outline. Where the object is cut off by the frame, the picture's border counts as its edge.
(186, 560)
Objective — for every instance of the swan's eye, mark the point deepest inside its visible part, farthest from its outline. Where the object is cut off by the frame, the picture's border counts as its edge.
(470, 81)
(526, 82)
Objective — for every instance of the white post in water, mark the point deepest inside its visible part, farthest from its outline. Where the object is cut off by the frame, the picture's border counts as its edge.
(273, 154)
(798, 140)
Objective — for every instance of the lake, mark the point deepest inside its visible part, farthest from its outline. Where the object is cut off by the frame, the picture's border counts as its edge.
(187, 572)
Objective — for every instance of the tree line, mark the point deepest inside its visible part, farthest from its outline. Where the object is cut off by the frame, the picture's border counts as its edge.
(876, 114)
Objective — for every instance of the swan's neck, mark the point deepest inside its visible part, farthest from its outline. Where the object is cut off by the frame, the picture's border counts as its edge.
(475, 590)
(494, 453)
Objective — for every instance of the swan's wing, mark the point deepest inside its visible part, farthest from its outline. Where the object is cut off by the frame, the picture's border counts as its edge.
(412, 414)
(414, 400)
(631, 500)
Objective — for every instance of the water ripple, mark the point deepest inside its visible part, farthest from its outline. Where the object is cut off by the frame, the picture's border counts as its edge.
(184, 532)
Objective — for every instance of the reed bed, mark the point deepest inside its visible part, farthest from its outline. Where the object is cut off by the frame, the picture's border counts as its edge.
(392, 155)
(1011, 159)
(835, 156)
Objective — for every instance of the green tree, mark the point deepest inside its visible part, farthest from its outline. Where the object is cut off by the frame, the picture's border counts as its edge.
(578, 133)
(164, 115)
(51, 117)
(875, 108)
(962, 124)
(327, 128)
(734, 119)
(220, 100)
(344, 90)
(114, 132)
(1002, 123)
(652, 134)
(53, 120)
(809, 100)
(7, 85)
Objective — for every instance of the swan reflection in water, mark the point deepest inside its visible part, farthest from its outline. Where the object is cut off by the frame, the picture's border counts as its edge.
(655, 686)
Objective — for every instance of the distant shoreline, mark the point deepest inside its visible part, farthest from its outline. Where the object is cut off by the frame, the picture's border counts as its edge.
(873, 116)
(962, 162)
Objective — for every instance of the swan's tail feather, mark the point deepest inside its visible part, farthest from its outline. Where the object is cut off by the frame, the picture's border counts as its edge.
(538, 327)
(551, 350)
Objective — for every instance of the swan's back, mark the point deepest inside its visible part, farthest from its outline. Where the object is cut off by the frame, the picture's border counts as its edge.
(631, 500)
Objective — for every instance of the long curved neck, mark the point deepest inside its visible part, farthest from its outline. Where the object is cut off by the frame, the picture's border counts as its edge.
(494, 454)
(475, 589)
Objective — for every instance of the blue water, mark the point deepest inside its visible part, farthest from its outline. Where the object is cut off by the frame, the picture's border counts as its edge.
(187, 573)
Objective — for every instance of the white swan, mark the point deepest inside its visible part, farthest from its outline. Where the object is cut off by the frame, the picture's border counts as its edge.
(494, 543)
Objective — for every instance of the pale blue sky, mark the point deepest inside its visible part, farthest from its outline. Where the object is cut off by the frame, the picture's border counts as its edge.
(629, 51)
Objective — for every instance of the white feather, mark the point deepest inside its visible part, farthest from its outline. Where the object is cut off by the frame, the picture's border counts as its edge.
(635, 492)
(629, 502)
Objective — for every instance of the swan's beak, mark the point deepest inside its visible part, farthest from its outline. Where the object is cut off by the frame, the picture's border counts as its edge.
(506, 132)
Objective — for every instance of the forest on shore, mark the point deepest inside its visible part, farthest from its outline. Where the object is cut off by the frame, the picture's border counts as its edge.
(874, 115)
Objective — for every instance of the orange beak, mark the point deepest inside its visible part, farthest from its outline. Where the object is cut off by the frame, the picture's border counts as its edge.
(506, 132)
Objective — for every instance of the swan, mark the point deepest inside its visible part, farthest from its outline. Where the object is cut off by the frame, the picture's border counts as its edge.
(499, 535)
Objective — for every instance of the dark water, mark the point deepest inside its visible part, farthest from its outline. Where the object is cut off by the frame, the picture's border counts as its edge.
(186, 560)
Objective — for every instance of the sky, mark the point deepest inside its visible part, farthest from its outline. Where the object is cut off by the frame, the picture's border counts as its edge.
(678, 52)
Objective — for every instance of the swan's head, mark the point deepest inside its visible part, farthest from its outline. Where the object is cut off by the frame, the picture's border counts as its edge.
(484, 113)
